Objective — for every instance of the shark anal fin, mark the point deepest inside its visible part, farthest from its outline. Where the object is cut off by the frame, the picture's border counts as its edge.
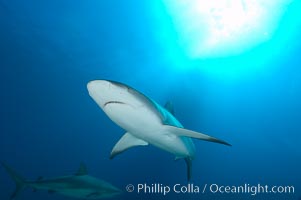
(189, 167)
(126, 141)
(82, 170)
(188, 133)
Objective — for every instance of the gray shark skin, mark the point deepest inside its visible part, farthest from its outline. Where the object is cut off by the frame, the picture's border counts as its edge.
(145, 121)
(80, 185)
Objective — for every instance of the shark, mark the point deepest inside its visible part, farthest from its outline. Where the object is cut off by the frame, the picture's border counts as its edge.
(80, 185)
(145, 121)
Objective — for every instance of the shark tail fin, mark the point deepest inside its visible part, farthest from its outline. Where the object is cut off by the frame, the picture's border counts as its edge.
(19, 180)
(189, 167)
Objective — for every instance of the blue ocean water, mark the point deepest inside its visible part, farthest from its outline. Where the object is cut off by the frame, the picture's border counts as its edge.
(50, 50)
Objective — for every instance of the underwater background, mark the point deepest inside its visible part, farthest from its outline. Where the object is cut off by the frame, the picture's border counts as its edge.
(50, 50)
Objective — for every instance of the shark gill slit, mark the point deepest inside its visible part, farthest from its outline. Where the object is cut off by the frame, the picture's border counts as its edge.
(110, 102)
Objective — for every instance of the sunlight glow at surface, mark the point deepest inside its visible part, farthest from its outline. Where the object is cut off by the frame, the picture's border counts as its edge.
(218, 28)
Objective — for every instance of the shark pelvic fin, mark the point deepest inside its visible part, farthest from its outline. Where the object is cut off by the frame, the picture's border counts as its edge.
(126, 141)
(82, 170)
(188, 133)
(178, 158)
(51, 191)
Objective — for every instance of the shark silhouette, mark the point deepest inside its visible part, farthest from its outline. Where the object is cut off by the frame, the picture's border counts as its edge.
(79, 185)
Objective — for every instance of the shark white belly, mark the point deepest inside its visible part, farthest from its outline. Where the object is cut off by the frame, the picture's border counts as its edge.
(147, 126)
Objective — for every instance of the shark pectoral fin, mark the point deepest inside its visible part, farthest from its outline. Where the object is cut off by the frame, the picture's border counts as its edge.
(126, 141)
(188, 133)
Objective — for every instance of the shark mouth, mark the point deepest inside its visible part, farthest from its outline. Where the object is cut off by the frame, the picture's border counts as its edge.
(113, 102)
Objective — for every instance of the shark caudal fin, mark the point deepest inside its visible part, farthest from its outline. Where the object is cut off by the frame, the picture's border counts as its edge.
(19, 180)
(189, 167)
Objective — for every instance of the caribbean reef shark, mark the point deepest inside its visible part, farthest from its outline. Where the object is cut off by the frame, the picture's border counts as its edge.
(145, 121)
(79, 185)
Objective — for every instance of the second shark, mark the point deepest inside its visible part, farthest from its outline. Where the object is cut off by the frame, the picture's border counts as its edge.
(80, 185)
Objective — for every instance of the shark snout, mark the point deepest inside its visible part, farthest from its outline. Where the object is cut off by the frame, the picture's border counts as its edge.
(105, 92)
(98, 85)
(99, 91)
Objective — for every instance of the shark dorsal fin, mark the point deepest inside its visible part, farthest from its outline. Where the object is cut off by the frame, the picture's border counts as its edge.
(82, 170)
(168, 106)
